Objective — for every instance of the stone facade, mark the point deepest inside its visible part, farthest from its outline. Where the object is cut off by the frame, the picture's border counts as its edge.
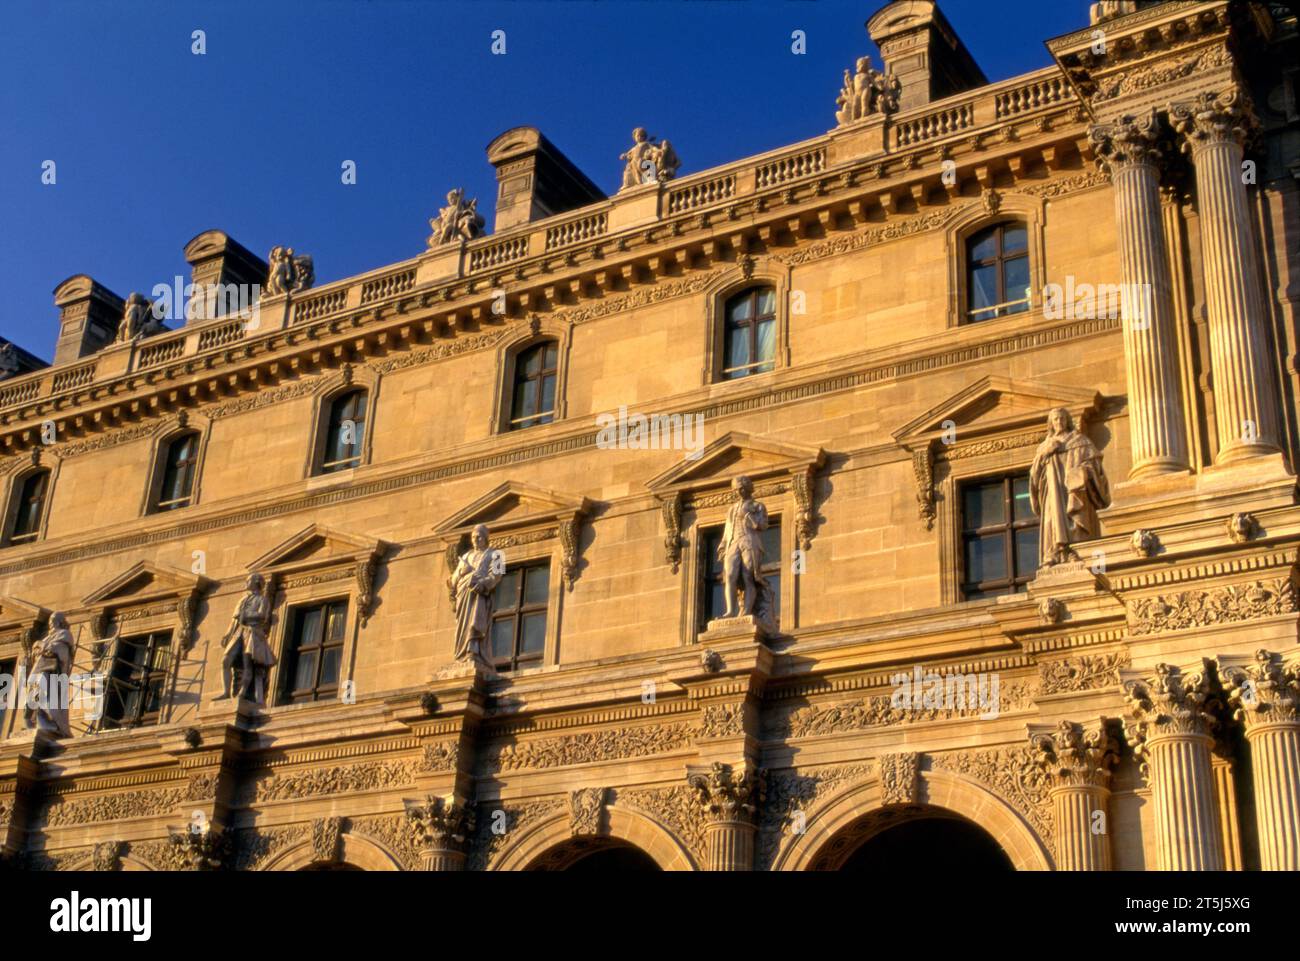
(1130, 685)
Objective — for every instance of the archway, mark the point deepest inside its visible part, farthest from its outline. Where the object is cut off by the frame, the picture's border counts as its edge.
(594, 856)
(331, 866)
(533, 850)
(928, 840)
(356, 852)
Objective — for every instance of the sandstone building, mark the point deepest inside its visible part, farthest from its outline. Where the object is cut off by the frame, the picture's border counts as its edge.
(874, 326)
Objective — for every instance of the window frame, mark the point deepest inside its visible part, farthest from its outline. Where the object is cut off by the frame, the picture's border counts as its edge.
(17, 489)
(286, 668)
(150, 674)
(513, 423)
(516, 661)
(162, 466)
(750, 273)
(1013, 583)
(750, 330)
(508, 356)
(323, 468)
(976, 217)
(999, 261)
(706, 557)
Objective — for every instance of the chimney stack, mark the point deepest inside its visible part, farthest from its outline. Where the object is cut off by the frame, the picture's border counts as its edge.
(535, 180)
(919, 46)
(89, 314)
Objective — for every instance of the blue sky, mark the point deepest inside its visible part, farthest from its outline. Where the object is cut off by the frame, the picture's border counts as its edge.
(154, 144)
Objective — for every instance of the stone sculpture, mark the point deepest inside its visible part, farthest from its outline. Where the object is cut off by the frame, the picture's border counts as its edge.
(289, 273)
(867, 92)
(246, 642)
(648, 162)
(459, 220)
(741, 553)
(138, 319)
(48, 686)
(476, 576)
(1067, 486)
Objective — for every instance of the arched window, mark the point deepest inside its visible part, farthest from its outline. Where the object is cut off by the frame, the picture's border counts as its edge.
(532, 400)
(345, 432)
(997, 272)
(176, 468)
(27, 508)
(749, 333)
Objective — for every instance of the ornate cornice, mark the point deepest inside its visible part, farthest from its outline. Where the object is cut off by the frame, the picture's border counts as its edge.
(1225, 604)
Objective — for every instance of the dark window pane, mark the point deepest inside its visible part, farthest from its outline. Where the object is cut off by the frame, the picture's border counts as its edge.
(984, 286)
(1017, 278)
(506, 597)
(1026, 551)
(986, 558)
(525, 399)
(717, 602)
(740, 309)
(984, 245)
(766, 302)
(766, 341)
(552, 356)
(534, 634)
(503, 638)
(548, 393)
(309, 633)
(771, 541)
(31, 501)
(304, 678)
(537, 582)
(1014, 238)
(329, 668)
(983, 506)
(1020, 499)
(737, 348)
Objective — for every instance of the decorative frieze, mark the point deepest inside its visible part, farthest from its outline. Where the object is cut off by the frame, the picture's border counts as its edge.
(1218, 605)
(443, 756)
(586, 808)
(313, 782)
(1086, 672)
(898, 777)
(500, 824)
(722, 720)
(326, 835)
(585, 748)
(113, 807)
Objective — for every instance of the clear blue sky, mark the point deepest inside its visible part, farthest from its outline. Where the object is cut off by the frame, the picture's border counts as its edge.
(154, 144)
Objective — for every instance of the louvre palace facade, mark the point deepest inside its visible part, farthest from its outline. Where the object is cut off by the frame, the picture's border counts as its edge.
(1002, 374)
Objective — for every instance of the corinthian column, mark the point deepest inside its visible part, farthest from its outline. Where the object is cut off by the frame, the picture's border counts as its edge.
(1266, 698)
(440, 826)
(1170, 731)
(1127, 151)
(1214, 128)
(730, 802)
(1078, 759)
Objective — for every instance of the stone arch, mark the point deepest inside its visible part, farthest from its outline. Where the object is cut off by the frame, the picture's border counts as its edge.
(631, 827)
(364, 852)
(947, 792)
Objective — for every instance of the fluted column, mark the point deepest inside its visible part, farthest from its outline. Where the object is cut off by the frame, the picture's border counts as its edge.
(1127, 150)
(440, 827)
(1170, 730)
(1078, 759)
(1266, 699)
(730, 801)
(1214, 128)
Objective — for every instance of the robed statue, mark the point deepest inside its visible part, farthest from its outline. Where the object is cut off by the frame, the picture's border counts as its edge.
(245, 643)
(741, 554)
(48, 682)
(139, 319)
(476, 575)
(288, 272)
(648, 162)
(1067, 486)
(459, 220)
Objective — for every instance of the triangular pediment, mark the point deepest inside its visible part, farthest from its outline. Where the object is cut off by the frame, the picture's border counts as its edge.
(13, 610)
(733, 454)
(143, 582)
(513, 504)
(316, 545)
(994, 405)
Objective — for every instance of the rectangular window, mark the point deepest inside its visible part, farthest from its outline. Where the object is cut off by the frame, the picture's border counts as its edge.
(518, 634)
(999, 536)
(10, 700)
(712, 599)
(314, 655)
(137, 680)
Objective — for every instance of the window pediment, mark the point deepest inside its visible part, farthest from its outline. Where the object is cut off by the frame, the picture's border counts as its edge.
(317, 553)
(20, 623)
(775, 467)
(515, 514)
(147, 590)
(994, 413)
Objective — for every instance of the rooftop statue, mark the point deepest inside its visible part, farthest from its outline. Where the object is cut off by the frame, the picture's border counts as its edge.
(867, 92)
(9, 366)
(289, 274)
(648, 162)
(459, 220)
(139, 319)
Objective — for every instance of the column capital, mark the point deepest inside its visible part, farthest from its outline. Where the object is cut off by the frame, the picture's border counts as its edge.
(440, 823)
(1213, 118)
(1076, 755)
(1170, 703)
(1265, 692)
(727, 794)
(1132, 140)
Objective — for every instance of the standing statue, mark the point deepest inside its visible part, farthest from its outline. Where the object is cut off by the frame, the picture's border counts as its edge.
(9, 365)
(648, 161)
(867, 92)
(1067, 486)
(741, 553)
(476, 576)
(138, 320)
(246, 642)
(459, 220)
(289, 274)
(48, 684)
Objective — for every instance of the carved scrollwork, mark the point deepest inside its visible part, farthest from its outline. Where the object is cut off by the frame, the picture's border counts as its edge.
(898, 777)
(1077, 755)
(1266, 692)
(1219, 605)
(725, 794)
(586, 808)
(672, 512)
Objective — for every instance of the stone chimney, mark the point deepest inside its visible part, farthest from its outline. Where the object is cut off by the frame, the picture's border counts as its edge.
(535, 180)
(218, 262)
(919, 46)
(89, 314)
